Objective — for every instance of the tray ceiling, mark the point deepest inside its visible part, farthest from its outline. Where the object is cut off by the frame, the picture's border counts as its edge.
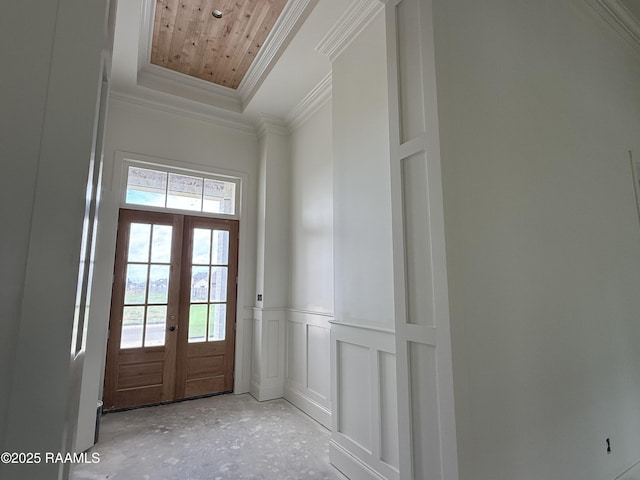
(187, 38)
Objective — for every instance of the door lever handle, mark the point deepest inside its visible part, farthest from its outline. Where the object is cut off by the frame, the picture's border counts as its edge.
(172, 328)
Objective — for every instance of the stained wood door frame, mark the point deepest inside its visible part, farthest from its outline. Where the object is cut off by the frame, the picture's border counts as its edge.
(174, 368)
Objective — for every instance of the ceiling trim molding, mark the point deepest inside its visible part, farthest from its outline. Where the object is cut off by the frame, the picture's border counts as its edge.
(176, 83)
(270, 124)
(220, 117)
(147, 16)
(620, 18)
(310, 104)
(354, 20)
(289, 22)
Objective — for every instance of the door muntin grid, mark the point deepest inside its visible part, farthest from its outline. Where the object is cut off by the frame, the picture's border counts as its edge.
(209, 285)
(146, 288)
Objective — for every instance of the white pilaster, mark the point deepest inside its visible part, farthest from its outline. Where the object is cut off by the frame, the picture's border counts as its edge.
(272, 272)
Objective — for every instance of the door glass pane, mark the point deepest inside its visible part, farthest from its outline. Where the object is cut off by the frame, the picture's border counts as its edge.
(201, 245)
(161, 246)
(158, 283)
(132, 323)
(217, 321)
(155, 328)
(220, 252)
(136, 284)
(139, 237)
(199, 284)
(185, 192)
(197, 323)
(218, 284)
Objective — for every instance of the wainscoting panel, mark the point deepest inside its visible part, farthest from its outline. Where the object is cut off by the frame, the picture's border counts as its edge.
(268, 362)
(353, 401)
(244, 348)
(364, 441)
(308, 363)
(274, 347)
(319, 362)
(296, 352)
(424, 411)
(388, 409)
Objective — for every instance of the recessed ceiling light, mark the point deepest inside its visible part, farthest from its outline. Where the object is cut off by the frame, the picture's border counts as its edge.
(217, 13)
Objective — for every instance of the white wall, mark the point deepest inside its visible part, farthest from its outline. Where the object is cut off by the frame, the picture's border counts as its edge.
(362, 340)
(147, 131)
(362, 210)
(311, 262)
(539, 106)
(48, 126)
(312, 214)
(23, 97)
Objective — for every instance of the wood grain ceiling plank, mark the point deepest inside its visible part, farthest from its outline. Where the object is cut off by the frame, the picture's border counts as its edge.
(165, 30)
(214, 30)
(207, 30)
(194, 37)
(216, 50)
(188, 39)
(246, 51)
(231, 39)
(183, 17)
(215, 58)
(258, 35)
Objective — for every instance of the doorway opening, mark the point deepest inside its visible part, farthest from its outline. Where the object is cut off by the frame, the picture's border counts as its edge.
(173, 309)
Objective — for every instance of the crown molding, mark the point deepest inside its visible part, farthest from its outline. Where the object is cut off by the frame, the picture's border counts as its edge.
(310, 104)
(620, 18)
(147, 15)
(289, 22)
(158, 101)
(270, 124)
(354, 20)
(179, 84)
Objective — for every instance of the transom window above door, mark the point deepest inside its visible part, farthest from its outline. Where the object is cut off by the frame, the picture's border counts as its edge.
(173, 190)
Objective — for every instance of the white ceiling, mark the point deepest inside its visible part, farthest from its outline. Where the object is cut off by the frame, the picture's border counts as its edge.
(290, 77)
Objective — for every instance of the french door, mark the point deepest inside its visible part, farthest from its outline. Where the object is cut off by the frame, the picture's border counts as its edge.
(173, 309)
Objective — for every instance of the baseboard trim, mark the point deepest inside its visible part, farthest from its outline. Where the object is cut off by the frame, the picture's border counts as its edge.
(350, 465)
(263, 393)
(319, 413)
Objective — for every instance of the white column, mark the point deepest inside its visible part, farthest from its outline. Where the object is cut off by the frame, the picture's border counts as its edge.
(272, 270)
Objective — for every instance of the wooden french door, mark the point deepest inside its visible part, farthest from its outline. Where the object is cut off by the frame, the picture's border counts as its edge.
(173, 309)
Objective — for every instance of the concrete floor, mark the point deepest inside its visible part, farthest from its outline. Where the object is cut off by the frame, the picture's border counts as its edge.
(216, 438)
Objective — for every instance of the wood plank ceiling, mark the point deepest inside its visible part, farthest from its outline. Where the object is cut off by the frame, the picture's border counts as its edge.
(187, 37)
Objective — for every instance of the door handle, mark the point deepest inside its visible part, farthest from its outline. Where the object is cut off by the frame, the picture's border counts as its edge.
(172, 328)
